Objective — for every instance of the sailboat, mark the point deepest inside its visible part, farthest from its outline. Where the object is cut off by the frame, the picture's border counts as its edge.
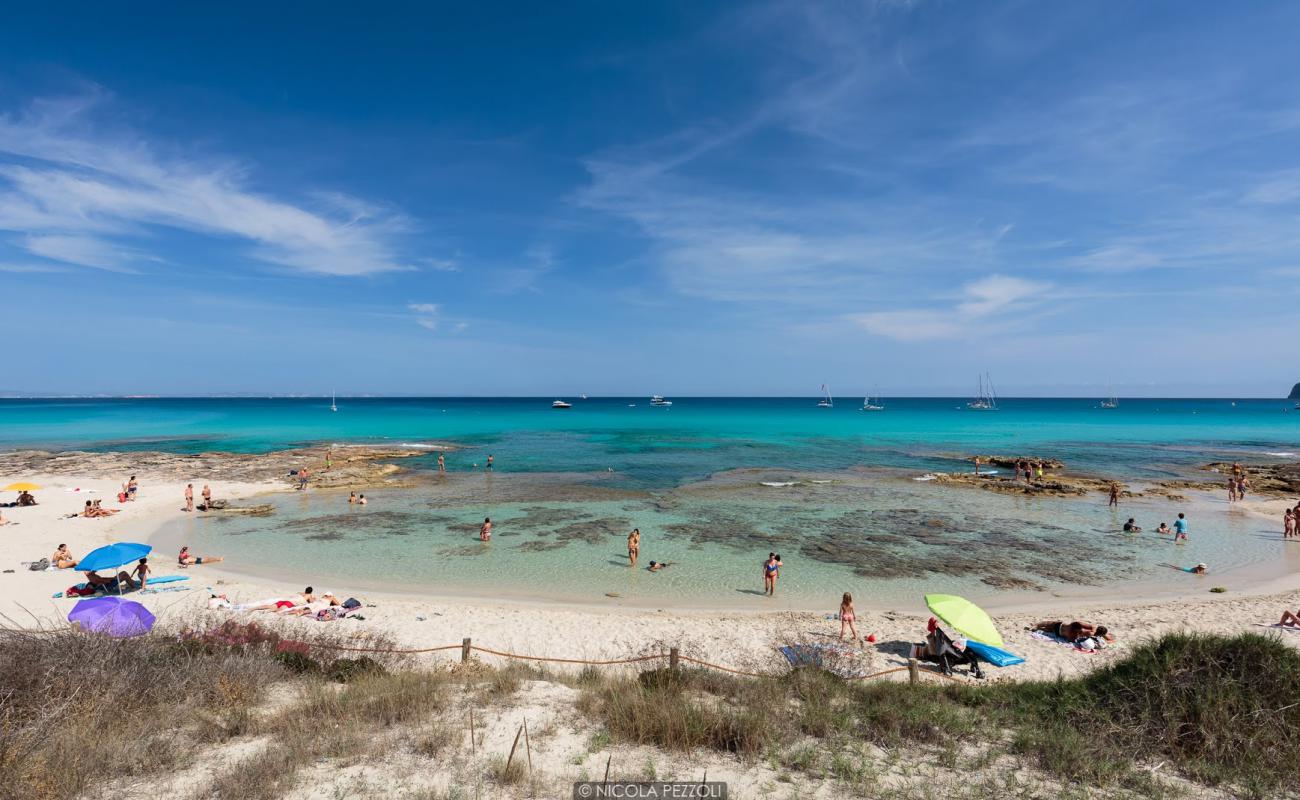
(867, 405)
(334, 406)
(826, 401)
(987, 399)
(1112, 401)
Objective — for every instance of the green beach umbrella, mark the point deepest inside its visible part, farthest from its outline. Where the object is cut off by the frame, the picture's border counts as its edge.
(964, 617)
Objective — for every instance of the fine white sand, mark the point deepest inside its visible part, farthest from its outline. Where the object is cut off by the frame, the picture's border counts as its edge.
(743, 640)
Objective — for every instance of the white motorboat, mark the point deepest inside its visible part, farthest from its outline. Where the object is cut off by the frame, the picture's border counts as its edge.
(659, 401)
(561, 404)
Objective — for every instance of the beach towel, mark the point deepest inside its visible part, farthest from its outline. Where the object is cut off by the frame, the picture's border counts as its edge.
(1051, 637)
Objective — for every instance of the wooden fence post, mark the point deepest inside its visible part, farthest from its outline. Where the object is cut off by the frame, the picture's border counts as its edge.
(528, 747)
(464, 650)
(513, 747)
(673, 659)
(913, 671)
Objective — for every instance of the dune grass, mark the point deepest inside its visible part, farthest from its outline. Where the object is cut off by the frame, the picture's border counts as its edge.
(1221, 711)
(1217, 711)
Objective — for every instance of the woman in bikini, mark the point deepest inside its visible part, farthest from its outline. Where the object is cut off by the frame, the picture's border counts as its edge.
(1074, 631)
(63, 558)
(187, 560)
(847, 617)
(633, 546)
(771, 571)
(485, 530)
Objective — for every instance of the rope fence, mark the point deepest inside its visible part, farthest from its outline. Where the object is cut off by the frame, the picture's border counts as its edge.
(673, 656)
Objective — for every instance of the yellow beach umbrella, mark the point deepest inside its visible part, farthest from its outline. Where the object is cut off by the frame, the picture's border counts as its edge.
(22, 487)
(964, 617)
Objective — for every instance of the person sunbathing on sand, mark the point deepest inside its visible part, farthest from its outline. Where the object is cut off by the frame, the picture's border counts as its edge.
(63, 558)
(282, 604)
(314, 606)
(95, 579)
(1074, 631)
(187, 560)
(1289, 620)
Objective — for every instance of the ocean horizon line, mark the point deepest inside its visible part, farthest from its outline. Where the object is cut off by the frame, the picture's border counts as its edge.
(541, 397)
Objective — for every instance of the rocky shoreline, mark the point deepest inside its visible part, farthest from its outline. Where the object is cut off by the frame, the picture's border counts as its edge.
(352, 466)
(1278, 480)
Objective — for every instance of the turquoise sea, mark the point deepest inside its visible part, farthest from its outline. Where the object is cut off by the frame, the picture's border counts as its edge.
(714, 484)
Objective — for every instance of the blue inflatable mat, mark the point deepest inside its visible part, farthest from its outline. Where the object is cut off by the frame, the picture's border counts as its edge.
(994, 655)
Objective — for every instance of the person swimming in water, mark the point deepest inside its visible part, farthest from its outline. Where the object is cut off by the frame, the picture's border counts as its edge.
(1132, 527)
(655, 566)
(771, 571)
(1164, 528)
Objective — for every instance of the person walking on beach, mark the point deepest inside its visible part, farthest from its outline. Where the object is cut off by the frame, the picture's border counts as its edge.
(189, 497)
(1288, 524)
(302, 479)
(207, 497)
(142, 571)
(1180, 528)
(1242, 483)
(442, 464)
(1232, 490)
(633, 546)
(977, 466)
(485, 530)
(847, 617)
(131, 488)
(329, 460)
(771, 571)
(1114, 494)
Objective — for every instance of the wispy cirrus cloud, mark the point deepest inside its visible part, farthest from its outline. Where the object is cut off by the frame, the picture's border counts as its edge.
(982, 303)
(75, 194)
(426, 314)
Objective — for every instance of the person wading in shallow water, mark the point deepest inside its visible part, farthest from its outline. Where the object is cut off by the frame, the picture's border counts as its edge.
(485, 530)
(1114, 494)
(633, 546)
(771, 571)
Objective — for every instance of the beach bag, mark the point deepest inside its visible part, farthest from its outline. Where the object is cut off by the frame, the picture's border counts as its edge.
(352, 602)
(39, 566)
(327, 614)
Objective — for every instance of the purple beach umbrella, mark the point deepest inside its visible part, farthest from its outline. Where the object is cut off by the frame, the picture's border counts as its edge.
(113, 616)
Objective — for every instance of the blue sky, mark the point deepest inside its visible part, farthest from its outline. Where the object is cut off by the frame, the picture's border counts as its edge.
(620, 198)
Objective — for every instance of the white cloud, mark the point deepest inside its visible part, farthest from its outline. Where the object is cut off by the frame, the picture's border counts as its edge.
(82, 195)
(985, 302)
(426, 314)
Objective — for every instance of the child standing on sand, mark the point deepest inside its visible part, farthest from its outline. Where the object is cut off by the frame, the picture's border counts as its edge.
(1288, 524)
(847, 617)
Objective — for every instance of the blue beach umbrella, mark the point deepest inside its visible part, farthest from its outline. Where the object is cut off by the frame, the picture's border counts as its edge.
(113, 555)
(112, 616)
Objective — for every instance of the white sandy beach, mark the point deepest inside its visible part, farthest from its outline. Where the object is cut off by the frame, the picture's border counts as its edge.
(740, 639)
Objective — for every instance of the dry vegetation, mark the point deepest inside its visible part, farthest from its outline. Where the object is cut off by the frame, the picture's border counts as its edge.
(270, 718)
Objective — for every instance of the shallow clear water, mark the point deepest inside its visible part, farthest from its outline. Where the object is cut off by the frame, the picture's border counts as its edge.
(570, 484)
(877, 535)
